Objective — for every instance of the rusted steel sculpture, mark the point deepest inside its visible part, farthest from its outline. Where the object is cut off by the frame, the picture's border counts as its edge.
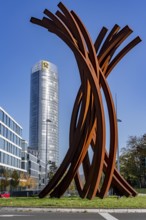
(87, 128)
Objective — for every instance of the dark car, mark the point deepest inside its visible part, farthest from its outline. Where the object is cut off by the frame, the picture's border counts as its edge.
(4, 194)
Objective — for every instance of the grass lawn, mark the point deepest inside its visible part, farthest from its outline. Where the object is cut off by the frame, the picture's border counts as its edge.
(75, 202)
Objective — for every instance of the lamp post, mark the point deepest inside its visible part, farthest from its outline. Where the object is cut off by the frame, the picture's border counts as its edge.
(118, 154)
(46, 166)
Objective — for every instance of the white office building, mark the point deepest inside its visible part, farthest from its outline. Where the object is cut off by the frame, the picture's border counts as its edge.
(10, 142)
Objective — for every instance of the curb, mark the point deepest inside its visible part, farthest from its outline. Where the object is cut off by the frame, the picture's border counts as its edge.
(73, 210)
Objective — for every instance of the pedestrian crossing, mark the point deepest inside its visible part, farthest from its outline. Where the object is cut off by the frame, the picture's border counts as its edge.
(107, 216)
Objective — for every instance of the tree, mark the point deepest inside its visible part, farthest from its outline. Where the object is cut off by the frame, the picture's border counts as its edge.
(14, 179)
(26, 181)
(23, 180)
(72, 188)
(31, 183)
(52, 169)
(132, 161)
(4, 183)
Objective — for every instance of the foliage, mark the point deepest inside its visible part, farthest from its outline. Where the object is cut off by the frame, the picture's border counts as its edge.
(72, 188)
(26, 181)
(4, 182)
(52, 169)
(30, 182)
(132, 161)
(14, 179)
(23, 181)
(141, 190)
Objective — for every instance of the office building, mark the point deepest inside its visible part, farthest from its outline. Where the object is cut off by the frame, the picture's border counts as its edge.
(43, 127)
(24, 153)
(10, 142)
(35, 167)
(15, 155)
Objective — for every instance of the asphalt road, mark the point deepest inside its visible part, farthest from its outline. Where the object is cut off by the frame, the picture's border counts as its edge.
(70, 216)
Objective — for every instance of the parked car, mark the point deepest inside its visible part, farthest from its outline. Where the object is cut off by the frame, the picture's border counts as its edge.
(4, 194)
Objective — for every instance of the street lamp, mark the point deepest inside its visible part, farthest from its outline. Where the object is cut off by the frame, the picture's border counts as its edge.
(46, 167)
(118, 120)
(118, 154)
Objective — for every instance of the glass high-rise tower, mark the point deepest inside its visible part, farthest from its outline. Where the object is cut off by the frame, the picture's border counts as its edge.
(43, 125)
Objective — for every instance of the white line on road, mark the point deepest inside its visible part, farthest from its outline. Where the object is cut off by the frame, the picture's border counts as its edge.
(107, 216)
(2, 216)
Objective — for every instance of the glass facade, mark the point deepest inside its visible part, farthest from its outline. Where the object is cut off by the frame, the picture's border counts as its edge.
(24, 155)
(33, 166)
(43, 127)
(42, 172)
(10, 141)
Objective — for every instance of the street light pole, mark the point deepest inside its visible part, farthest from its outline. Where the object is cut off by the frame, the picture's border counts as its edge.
(118, 154)
(46, 167)
(118, 120)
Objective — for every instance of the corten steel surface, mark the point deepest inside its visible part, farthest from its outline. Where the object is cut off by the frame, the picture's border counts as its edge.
(88, 126)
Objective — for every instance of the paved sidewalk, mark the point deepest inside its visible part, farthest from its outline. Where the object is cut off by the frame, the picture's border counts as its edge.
(74, 210)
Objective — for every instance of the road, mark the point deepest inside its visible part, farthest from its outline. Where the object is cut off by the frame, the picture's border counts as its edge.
(70, 216)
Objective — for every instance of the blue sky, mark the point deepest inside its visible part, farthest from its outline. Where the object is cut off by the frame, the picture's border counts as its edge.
(23, 44)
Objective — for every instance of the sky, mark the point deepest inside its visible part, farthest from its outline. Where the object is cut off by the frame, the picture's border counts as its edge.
(23, 44)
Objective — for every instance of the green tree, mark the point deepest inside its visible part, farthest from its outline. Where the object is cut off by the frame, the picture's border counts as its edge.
(14, 179)
(4, 183)
(52, 169)
(132, 161)
(72, 188)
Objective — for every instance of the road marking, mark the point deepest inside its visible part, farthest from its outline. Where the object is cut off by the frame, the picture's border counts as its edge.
(107, 216)
(2, 216)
